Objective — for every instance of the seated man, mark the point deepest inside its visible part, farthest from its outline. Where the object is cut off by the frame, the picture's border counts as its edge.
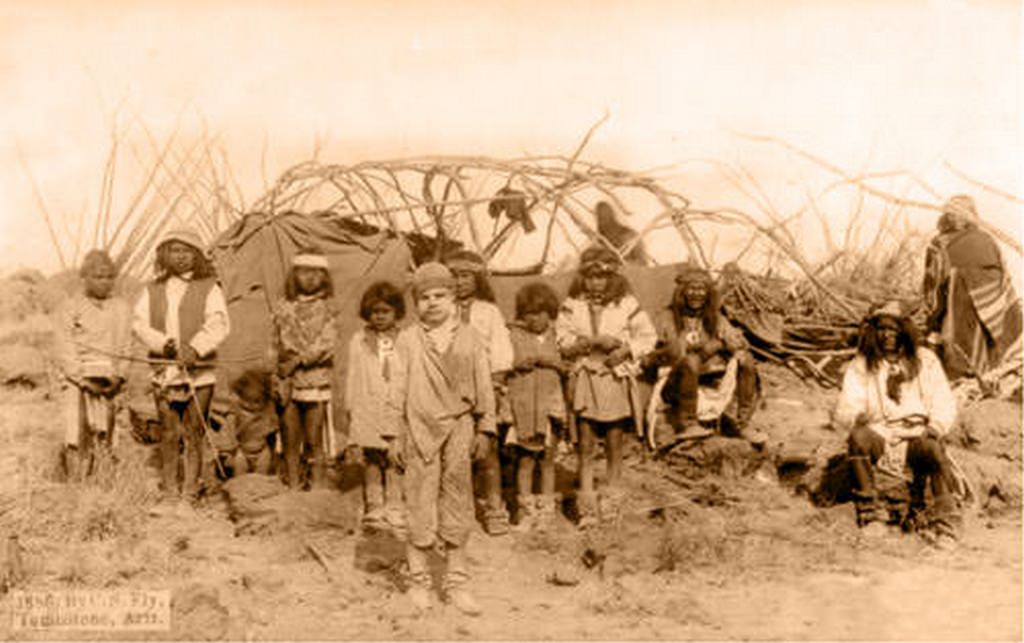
(896, 403)
(709, 365)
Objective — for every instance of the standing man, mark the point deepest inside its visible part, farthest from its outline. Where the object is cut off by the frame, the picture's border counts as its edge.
(973, 310)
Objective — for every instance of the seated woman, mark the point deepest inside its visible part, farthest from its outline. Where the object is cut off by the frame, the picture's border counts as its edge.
(896, 403)
(709, 366)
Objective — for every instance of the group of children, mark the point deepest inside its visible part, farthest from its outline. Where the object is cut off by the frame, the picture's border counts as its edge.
(425, 401)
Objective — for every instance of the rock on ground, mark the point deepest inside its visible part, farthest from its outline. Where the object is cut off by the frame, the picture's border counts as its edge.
(261, 504)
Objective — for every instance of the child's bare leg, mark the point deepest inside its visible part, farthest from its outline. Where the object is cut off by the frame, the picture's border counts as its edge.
(170, 441)
(313, 424)
(524, 473)
(292, 442)
(547, 471)
(526, 502)
(86, 441)
(495, 516)
(240, 464)
(193, 430)
(373, 483)
(393, 499)
(263, 461)
(614, 446)
(586, 457)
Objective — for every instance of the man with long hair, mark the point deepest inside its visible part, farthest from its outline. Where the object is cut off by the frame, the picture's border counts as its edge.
(698, 343)
(897, 405)
(181, 317)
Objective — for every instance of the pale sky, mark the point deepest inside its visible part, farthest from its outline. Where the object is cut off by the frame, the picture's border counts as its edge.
(870, 85)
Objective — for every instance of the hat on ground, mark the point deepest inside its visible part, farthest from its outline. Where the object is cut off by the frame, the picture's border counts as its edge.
(184, 235)
(432, 275)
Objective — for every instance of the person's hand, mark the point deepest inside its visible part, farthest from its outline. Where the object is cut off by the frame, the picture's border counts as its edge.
(527, 363)
(353, 454)
(908, 433)
(286, 368)
(606, 343)
(915, 419)
(114, 387)
(579, 348)
(170, 348)
(189, 356)
(397, 448)
(617, 356)
(92, 386)
(396, 455)
(481, 446)
(711, 347)
(549, 362)
(282, 391)
(933, 339)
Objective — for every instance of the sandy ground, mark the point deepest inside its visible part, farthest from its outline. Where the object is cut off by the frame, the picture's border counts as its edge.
(729, 555)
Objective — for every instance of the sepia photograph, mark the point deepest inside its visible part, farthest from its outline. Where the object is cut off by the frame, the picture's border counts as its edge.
(512, 320)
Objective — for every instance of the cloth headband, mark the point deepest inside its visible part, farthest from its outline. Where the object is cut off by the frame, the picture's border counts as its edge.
(310, 261)
(598, 266)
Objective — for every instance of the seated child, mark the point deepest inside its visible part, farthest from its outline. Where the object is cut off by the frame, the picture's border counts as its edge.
(537, 400)
(251, 419)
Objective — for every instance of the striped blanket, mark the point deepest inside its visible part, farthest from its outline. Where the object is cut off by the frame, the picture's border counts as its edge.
(973, 305)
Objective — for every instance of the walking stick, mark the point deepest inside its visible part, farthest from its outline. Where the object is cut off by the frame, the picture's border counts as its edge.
(202, 418)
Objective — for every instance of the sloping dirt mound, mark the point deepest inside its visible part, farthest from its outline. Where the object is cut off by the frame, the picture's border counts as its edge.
(264, 505)
(988, 449)
(199, 615)
(716, 456)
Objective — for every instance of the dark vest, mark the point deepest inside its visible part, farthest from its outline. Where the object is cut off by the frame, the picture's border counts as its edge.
(191, 309)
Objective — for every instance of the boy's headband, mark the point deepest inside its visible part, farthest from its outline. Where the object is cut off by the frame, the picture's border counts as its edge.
(310, 261)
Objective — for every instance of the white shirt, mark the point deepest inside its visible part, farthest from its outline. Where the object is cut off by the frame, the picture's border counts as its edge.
(212, 333)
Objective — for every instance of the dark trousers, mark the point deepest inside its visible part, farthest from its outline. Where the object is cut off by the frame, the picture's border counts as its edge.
(680, 391)
(183, 422)
(926, 458)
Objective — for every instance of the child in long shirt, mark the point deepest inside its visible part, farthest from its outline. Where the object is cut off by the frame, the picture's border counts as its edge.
(93, 338)
(251, 420)
(446, 398)
(373, 421)
(181, 317)
(477, 309)
(604, 332)
(537, 401)
(305, 335)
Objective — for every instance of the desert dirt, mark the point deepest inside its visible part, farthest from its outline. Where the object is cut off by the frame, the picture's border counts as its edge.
(723, 545)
